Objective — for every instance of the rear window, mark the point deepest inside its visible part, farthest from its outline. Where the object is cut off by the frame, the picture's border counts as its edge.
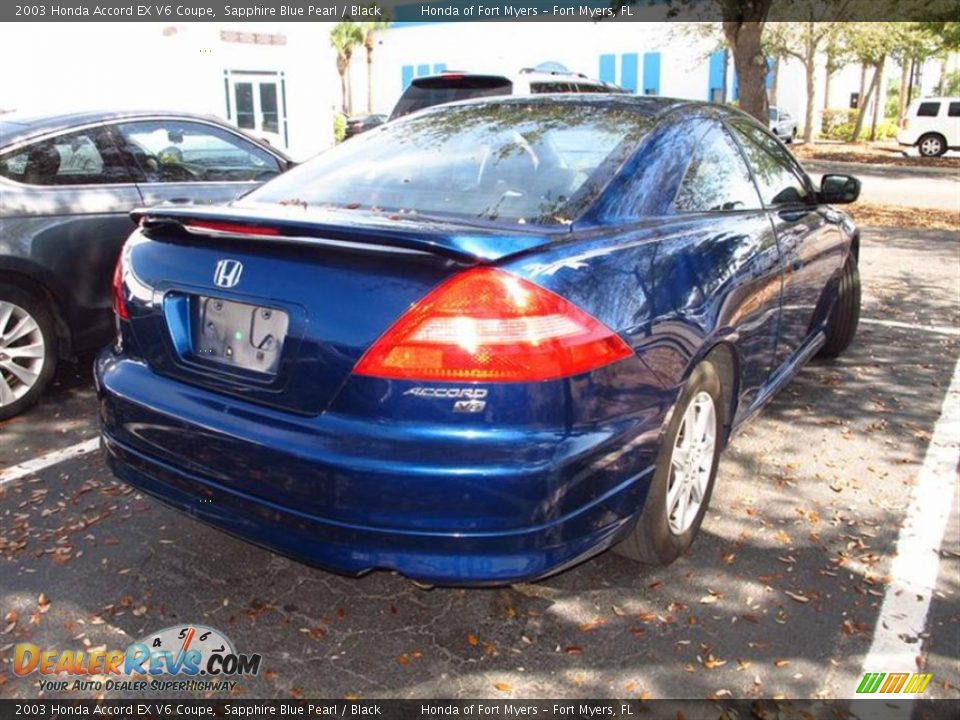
(928, 109)
(517, 162)
(954, 110)
(427, 92)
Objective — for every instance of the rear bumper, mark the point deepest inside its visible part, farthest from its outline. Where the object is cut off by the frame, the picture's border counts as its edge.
(449, 537)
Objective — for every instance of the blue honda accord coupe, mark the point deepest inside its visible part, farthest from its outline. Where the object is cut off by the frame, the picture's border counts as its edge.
(479, 344)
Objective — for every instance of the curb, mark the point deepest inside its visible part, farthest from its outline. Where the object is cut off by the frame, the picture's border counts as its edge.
(879, 169)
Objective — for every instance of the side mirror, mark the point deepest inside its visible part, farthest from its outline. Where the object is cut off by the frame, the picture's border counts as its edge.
(839, 189)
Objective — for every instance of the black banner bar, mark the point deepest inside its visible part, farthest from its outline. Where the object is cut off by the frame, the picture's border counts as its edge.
(403, 11)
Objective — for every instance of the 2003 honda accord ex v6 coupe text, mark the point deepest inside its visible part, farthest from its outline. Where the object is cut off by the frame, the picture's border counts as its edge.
(481, 343)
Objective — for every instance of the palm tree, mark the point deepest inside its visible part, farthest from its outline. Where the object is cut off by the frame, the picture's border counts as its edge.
(344, 37)
(369, 42)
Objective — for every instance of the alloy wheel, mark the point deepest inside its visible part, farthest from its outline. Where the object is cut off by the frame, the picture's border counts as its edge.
(691, 463)
(22, 352)
(931, 147)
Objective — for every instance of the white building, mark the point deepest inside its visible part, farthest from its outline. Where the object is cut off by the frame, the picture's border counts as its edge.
(670, 59)
(277, 81)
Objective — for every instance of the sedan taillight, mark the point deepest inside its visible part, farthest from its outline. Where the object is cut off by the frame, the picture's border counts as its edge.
(119, 303)
(486, 325)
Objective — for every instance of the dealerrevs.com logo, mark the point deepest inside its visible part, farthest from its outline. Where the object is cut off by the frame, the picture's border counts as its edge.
(192, 657)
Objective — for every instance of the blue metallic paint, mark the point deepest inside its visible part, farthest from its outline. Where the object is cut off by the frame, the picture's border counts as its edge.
(352, 474)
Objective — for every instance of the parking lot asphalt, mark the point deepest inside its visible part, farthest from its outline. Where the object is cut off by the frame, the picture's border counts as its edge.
(781, 595)
(935, 188)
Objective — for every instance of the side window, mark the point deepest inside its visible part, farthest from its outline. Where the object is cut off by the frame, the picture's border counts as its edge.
(954, 110)
(928, 109)
(716, 178)
(179, 151)
(86, 157)
(780, 179)
(551, 87)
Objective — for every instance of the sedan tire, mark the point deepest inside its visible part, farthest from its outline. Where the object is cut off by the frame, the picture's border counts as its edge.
(28, 350)
(685, 472)
(845, 316)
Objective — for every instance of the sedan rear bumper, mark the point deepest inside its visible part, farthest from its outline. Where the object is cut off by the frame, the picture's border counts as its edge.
(486, 549)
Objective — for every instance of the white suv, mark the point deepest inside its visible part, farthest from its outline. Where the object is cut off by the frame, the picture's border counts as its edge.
(932, 125)
(452, 85)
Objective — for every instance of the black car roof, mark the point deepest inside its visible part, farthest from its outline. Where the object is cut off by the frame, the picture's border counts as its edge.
(15, 127)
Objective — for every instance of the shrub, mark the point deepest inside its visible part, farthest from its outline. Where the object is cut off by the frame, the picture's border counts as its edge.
(838, 124)
(339, 127)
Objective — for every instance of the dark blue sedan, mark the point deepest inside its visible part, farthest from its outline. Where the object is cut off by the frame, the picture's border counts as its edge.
(480, 344)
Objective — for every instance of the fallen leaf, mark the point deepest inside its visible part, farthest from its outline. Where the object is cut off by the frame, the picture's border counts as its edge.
(796, 596)
(503, 687)
(573, 650)
(473, 639)
(592, 625)
(781, 662)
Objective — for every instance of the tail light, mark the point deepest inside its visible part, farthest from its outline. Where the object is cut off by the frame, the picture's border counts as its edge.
(214, 227)
(119, 303)
(905, 124)
(486, 325)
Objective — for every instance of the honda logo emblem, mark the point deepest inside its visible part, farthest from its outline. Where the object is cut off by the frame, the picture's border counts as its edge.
(228, 273)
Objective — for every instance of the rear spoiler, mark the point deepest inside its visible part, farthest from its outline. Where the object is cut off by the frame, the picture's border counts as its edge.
(347, 229)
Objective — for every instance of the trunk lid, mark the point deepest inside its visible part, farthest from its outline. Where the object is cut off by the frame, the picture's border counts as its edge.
(277, 307)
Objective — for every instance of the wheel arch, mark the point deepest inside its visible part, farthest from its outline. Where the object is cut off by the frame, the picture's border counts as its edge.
(725, 359)
(30, 283)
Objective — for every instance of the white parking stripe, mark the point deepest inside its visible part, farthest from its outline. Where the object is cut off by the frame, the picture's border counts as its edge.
(15, 472)
(938, 329)
(906, 601)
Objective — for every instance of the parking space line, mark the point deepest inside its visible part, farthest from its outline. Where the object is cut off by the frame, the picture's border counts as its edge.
(906, 602)
(938, 329)
(16, 472)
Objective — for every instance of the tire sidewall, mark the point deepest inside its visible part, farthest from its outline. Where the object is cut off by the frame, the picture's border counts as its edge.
(932, 136)
(654, 522)
(41, 314)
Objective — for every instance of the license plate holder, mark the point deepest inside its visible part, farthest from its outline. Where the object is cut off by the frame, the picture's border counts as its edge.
(238, 335)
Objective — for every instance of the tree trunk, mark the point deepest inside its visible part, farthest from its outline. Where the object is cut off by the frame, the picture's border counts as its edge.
(370, 80)
(879, 98)
(862, 102)
(744, 41)
(349, 90)
(343, 92)
(904, 83)
(826, 90)
(810, 68)
(862, 113)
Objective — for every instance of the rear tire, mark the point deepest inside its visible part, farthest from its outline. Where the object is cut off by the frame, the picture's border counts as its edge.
(28, 349)
(932, 145)
(845, 315)
(668, 524)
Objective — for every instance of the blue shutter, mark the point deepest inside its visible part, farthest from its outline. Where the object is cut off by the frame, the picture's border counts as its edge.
(651, 73)
(439, 68)
(406, 76)
(718, 74)
(629, 64)
(736, 85)
(772, 64)
(608, 68)
(423, 70)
